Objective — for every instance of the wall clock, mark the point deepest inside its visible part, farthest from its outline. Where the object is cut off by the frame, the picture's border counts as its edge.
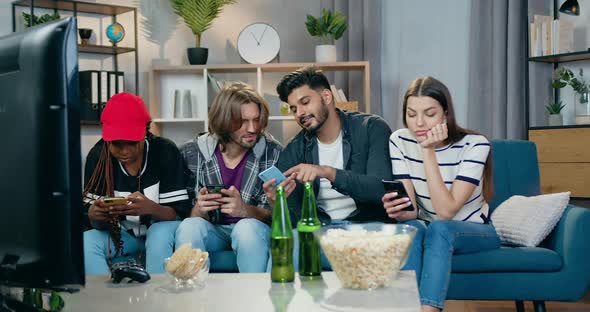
(259, 43)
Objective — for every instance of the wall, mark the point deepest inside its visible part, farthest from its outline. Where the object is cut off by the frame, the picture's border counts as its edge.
(419, 38)
(163, 39)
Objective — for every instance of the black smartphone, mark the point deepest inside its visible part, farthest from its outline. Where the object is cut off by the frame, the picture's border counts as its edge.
(215, 215)
(215, 188)
(398, 187)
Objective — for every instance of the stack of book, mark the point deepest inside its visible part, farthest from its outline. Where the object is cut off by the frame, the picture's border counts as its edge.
(341, 100)
(548, 36)
(96, 88)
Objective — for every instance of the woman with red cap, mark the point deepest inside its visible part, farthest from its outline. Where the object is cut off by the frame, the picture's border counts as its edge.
(147, 171)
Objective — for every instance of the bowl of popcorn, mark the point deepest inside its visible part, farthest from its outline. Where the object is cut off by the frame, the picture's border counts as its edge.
(366, 256)
(187, 267)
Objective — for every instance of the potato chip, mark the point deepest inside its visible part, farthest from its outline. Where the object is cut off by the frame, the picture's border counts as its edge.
(179, 258)
(186, 262)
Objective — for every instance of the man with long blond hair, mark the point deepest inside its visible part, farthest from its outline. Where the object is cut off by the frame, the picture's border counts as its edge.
(231, 155)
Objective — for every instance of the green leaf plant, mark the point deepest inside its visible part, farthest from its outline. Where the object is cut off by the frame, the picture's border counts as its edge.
(198, 15)
(39, 19)
(329, 26)
(563, 77)
(554, 108)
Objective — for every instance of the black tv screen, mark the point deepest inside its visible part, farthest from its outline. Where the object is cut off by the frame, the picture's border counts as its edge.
(40, 177)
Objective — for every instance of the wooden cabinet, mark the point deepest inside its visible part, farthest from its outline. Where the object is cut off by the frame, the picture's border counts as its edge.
(564, 159)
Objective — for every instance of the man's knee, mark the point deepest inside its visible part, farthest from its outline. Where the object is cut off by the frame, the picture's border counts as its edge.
(251, 230)
(191, 227)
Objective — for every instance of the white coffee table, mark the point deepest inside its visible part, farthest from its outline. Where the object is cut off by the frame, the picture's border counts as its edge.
(244, 292)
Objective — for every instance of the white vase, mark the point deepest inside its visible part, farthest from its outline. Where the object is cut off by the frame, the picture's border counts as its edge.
(555, 119)
(183, 106)
(325, 53)
(187, 104)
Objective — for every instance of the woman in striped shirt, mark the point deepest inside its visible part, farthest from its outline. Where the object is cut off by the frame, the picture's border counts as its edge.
(447, 172)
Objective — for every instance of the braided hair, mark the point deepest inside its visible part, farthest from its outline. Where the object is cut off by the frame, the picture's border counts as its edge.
(102, 182)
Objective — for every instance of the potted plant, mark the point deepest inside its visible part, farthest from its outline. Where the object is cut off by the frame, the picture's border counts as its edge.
(563, 77)
(554, 109)
(198, 16)
(329, 27)
(39, 19)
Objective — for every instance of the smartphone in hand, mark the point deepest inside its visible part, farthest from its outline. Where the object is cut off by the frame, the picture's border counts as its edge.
(398, 187)
(215, 215)
(270, 173)
(215, 188)
(115, 201)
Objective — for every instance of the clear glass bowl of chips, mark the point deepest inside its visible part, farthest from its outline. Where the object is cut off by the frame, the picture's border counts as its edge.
(366, 256)
(187, 268)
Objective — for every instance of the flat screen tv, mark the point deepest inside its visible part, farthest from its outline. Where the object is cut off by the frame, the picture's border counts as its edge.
(40, 159)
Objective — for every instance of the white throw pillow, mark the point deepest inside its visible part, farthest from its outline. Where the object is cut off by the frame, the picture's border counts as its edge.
(526, 221)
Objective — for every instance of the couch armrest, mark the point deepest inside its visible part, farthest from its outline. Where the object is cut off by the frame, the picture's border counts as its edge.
(571, 239)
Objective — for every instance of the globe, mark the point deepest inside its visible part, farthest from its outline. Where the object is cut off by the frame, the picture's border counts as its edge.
(115, 32)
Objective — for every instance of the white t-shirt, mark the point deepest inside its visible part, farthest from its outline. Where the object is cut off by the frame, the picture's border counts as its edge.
(463, 160)
(337, 205)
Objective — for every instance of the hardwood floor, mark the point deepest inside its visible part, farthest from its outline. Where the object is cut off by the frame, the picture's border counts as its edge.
(583, 305)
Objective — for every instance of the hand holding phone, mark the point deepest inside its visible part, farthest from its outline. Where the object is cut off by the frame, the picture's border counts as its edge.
(215, 215)
(272, 173)
(398, 187)
(115, 201)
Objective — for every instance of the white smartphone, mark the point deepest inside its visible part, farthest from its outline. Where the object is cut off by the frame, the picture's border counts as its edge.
(272, 173)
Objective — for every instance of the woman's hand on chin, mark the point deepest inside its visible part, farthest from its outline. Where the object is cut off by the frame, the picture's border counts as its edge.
(435, 136)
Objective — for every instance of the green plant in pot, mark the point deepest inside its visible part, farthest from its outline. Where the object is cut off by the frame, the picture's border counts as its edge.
(565, 77)
(328, 27)
(554, 109)
(198, 15)
(39, 19)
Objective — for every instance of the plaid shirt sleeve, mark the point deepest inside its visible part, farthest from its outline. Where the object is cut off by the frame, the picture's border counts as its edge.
(274, 152)
(251, 191)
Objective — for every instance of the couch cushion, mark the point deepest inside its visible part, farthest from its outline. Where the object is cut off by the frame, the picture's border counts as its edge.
(516, 170)
(526, 221)
(508, 259)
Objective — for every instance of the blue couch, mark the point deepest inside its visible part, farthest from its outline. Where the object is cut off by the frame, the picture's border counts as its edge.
(557, 270)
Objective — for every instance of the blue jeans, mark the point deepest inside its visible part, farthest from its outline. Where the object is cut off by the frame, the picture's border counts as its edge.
(158, 243)
(248, 238)
(442, 239)
(414, 260)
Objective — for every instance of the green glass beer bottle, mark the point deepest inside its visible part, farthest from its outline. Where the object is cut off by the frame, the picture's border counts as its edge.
(281, 241)
(309, 246)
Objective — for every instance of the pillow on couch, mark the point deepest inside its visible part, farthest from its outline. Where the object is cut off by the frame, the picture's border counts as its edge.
(526, 221)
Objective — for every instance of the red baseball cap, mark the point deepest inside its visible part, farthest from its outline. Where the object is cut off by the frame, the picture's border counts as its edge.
(125, 117)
